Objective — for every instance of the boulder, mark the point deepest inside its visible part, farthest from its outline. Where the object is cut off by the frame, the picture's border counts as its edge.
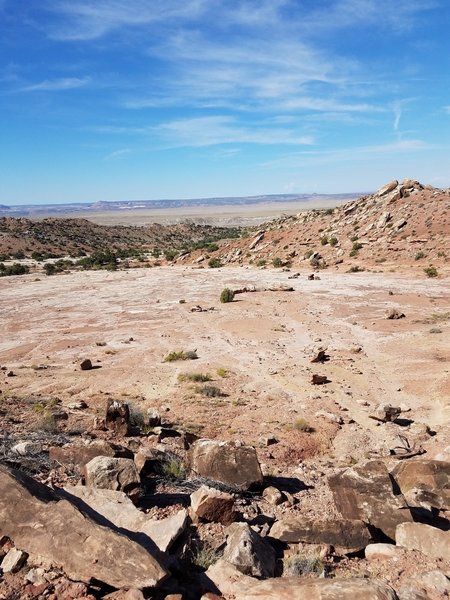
(212, 505)
(346, 536)
(119, 510)
(230, 463)
(118, 474)
(424, 538)
(117, 417)
(365, 492)
(319, 379)
(382, 551)
(273, 496)
(232, 583)
(385, 413)
(13, 560)
(388, 187)
(248, 552)
(427, 475)
(86, 365)
(436, 581)
(80, 454)
(394, 313)
(54, 532)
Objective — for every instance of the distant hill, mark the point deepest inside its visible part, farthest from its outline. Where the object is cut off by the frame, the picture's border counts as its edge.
(37, 210)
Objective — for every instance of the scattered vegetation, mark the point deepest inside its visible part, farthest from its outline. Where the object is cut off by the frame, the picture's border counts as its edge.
(196, 377)
(227, 295)
(210, 391)
(173, 468)
(333, 241)
(14, 269)
(181, 355)
(419, 255)
(355, 248)
(356, 269)
(221, 372)
(204, 556)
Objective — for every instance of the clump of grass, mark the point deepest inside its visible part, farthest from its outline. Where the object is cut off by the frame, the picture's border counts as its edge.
(333, 241)
(419, 255)
(181, 355)
(197, 377)
(324, 240)
(302, 425)
(356, 269)
(261, 262)
(435, 330)
(173, 468)
(47, 423)
(355, 248)
(211, 391)
(226, 295)
(431, 271)
(205, 556)
(299, 565)
(221, 372)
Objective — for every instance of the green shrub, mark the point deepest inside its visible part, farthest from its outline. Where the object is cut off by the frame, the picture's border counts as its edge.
(356, 269)
(205, 556)
(221, 372)
(14, 269)
(261, 262)
(227, 295)
(214, 263)
(324, 240)
(277, 262)
(419, 255)
(302, 425)
(309, 253)
(181, 355)
(431, 271)
(333, 241)
(170, 255)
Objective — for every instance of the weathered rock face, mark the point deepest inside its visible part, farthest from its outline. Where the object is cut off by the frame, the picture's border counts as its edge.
(365, 492)
(346, 535)
(248, 552)
(425, 538)
(227, 462)
(117, 417)
(387, 188)
(119, 510)
(429, 475)
(386, 413)
(54, 532)
(234, 584)
(118, 474)
(80, 454)
(212, 505)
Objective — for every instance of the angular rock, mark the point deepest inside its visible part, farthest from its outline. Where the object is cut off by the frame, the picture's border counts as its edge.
(424, 538)
(385, 413)
(436, 580)
(119, 510)
(117, 417)
(118, 474)
(273, 496)
(86, 364)
(13, 561)
(80, 454)
(346, 536)
(365, 492)
(383, 220)
(428, 475)
(394, 313)
(234, 584)
(319, 379)
(26, 448)
(54, 532)
(248, 552)
(388, 187)
(153, 417)
(383, 551)
(212, 505)
(227, 462)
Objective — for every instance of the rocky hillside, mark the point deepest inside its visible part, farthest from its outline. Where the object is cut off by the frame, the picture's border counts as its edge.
(60, 237)
(402, 224)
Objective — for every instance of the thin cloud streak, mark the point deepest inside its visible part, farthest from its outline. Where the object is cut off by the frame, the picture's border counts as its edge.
(56, 85)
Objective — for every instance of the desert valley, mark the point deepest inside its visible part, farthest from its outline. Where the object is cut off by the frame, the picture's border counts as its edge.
(193, 411)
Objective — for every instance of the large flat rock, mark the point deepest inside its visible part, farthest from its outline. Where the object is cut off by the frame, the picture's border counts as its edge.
(55, 532)
(233, 584)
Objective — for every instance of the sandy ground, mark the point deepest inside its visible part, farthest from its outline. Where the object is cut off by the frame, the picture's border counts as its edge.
(263, 340)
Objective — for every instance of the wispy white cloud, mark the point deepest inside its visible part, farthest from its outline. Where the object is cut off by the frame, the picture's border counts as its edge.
(315, 157)
(56, 85)
(208, 131)
(117, 154)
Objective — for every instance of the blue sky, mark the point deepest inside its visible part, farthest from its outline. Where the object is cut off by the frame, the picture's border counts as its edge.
(148, 99)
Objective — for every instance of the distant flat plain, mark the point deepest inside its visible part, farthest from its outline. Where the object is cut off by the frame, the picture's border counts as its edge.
(227, 215)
